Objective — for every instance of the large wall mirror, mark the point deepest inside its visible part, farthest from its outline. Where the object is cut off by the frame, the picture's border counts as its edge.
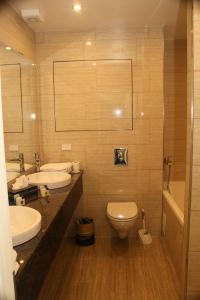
(19, 101)
(89, 94)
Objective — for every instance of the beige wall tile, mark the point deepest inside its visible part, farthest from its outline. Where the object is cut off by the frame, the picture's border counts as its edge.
(107, 49)
(151, 204)
(141, 79)
(194, 231)
(193, 272)
(146, 104)
(195, 181)
(175, 91)
(150, 52)
(196, 145)
(49, 52)
(197, 104)
(195, 203)
(92, 95)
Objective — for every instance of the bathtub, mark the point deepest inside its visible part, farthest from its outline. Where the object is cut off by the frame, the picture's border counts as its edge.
(173, 223)
(175, 199)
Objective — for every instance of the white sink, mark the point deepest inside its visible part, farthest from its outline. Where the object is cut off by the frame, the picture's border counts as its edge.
(53, 180)
(11, 175)
(25, 224)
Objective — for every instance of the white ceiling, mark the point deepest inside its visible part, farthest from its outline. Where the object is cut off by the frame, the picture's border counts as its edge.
(112, 14)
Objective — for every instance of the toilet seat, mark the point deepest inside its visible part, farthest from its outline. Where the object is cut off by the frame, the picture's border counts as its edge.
(122, 211)
(121, 220)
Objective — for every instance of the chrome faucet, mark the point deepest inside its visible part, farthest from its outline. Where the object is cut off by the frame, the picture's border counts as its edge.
(21, 162)
(169, 163)
(37, 162)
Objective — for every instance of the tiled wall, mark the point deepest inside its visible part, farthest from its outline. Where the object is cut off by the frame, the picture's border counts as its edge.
(175, 91)
(193, 286)
(141, 180)
(93, 95)
(15, 32)
(28, 139)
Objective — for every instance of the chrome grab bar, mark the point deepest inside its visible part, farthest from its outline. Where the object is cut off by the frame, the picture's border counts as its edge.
(168, 162)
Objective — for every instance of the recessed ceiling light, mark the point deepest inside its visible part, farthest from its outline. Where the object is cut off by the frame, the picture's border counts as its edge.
(118, 112)
(8, 48)
(77, 7)
(33, 116)
(94, 64)
(88, 43)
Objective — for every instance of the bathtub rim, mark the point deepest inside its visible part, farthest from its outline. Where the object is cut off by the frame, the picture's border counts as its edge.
(172, 203)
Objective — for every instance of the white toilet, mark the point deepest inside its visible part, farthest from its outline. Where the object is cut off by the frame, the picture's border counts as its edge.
(122, 216)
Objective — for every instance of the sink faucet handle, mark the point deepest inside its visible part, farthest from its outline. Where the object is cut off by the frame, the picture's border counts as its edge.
(37, 157)
(37, 162)
(21, 162)
(21, 156)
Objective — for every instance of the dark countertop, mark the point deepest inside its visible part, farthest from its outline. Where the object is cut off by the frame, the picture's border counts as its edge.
(49, 208)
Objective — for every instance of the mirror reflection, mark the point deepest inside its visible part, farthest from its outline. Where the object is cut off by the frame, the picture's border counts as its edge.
(12, 98)
(19, 100)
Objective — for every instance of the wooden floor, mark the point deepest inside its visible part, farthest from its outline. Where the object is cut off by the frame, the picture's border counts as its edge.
(111, 270)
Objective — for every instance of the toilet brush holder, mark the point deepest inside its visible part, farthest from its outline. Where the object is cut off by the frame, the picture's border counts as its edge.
(144, 236)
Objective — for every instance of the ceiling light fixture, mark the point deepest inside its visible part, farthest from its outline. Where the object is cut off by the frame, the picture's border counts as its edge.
(8, 48)
(77, 7)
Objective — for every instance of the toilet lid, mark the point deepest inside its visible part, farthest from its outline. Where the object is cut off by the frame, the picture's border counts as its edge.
(122, 210)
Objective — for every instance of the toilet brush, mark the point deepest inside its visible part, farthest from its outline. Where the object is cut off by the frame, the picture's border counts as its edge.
(144, 235)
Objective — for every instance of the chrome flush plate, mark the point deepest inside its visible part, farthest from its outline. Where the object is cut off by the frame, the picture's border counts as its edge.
(120, 156)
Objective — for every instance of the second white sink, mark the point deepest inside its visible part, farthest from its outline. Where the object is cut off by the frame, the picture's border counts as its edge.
(53, 180)
(25, 224)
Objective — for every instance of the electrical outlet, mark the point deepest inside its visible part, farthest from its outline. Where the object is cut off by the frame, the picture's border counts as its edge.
(13, 148)
(66, 147)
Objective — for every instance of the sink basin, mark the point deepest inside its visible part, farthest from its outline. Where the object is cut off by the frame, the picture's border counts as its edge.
(53, 180)
(11, 175)
(25, 224)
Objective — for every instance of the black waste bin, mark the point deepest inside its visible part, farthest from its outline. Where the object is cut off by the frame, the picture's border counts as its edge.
(85, 231)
